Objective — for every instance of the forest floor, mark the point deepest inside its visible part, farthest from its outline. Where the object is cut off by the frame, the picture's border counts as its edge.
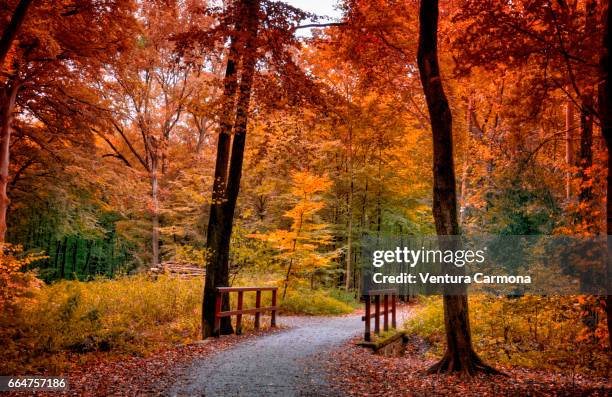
(110, 375)
(284, 361)
(358, 372)
(306, 356)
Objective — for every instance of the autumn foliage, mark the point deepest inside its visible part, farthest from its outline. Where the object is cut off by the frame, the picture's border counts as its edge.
(262, 143)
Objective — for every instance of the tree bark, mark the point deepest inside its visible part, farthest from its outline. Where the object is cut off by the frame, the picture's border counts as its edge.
(349, 233)
(75, 251)
(58, 246)
(586, 149)
(459, 355)
(587, 112)
(379, 193)
(155, 210)
(87, 258)
(226, 187)
(10, 32)
(9, 95)
(466, 160)
(64, 252)
(605, 114)
(569, 148)
(290, 266)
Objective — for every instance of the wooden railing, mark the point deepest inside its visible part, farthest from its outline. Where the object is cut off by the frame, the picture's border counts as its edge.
(257, 310)
(386, 295)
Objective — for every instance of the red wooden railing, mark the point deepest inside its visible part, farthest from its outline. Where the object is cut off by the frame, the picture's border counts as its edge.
(386, 295)
(257, 310)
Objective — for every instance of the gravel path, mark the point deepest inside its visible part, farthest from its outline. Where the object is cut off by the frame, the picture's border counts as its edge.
(280, 364)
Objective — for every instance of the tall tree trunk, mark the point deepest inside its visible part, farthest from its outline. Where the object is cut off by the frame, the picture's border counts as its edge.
(605, 114)
(586, 148)
(226, 187)
(379, 193)
(75, 251)
(569, 148)
(587, 111)
(9, 95)
(215, 235)
(64, 252)
(10, 32)
(58, 246)
(290, 266)
(364, 203)
(87, 258)
(459, 355)
(155, 210)
(466, 160)
(349, 232)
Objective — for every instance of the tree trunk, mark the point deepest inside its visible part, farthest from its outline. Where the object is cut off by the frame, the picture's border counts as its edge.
(349, 232)
(293, 248)
(364, 203)
(64, 252)
(466, 159)
(10, 32)
(569, 148)
(58, 246)
(226, 188)
(586, 149)
(605, 114)
(587, 111)
(75, 251)
(379, 193)
(9, 95)
(87, 258)
(459, 355)
(155, 210)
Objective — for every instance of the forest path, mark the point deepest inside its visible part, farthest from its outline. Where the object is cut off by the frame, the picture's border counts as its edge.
(287, 363)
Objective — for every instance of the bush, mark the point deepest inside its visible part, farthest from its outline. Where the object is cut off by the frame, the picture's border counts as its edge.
(126, 315)
(428, 321)
(533, 332)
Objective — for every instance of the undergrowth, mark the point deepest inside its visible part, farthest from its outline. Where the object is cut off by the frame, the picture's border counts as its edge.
(552, 333)
(53, 324)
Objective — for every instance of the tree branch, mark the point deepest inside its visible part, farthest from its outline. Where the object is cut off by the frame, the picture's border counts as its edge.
(320, 25)
(117, 154)
(130, 146)
(10, 32)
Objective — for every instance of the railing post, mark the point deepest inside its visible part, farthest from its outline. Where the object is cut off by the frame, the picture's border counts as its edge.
(377, 314)
(273, 315)
(386, 321)
(239, 315)
(217, 327)
(366, 336)
(257, 306)
(393, 322)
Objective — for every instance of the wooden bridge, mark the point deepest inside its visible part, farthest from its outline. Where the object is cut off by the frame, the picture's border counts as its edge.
(240, 310)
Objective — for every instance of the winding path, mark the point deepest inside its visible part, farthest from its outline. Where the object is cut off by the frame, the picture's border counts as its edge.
(287, 363)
